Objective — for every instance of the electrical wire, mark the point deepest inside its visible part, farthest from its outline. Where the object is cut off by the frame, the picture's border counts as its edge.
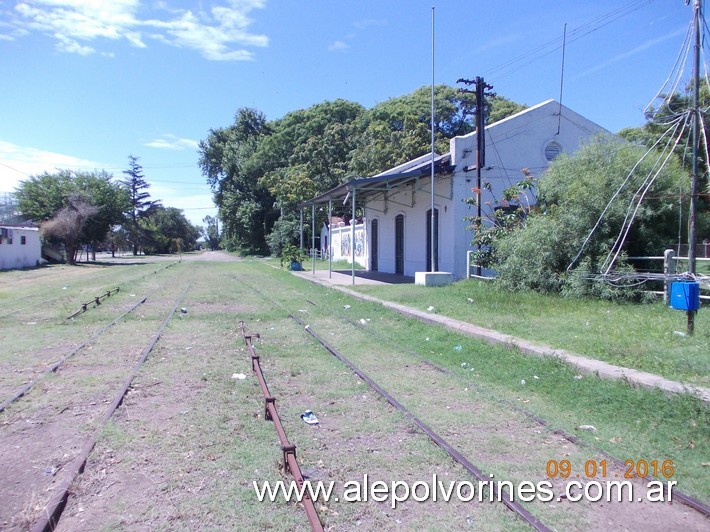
(613, 197)
(573, 35)
(637, 198)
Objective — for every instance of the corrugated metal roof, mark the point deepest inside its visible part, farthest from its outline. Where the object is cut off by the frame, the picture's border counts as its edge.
(384, 181)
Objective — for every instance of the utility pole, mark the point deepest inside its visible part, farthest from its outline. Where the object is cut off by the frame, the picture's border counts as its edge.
(692, 237)
(480, 92)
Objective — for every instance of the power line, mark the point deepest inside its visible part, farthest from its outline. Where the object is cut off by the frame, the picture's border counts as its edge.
(555, 44)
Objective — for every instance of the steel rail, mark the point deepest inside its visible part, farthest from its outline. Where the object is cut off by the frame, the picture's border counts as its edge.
(436, 438)
(54, 508)
(289, 450)
(678, 495)
(22, 390)
(96, 301)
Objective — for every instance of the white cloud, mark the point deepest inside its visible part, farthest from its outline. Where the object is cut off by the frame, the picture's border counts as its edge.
(219, 33)
(171, 142)
(17, 163)
(338, 46)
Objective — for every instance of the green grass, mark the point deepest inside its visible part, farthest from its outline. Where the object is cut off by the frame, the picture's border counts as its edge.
(632, 423)
(194, 438)
(639, 336)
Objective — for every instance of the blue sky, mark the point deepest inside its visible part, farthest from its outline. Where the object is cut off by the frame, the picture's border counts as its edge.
(86, 83)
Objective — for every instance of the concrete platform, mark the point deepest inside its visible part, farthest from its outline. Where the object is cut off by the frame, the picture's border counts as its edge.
(362, 277)
(433, 278)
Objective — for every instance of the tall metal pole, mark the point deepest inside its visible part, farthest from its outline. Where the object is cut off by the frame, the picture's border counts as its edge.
(313, 239)
(696, 138)
(300, 235)
(433, 138)
(352, 237)
(330, 239)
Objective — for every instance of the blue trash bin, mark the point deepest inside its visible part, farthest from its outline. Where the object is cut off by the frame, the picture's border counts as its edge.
(685, 295)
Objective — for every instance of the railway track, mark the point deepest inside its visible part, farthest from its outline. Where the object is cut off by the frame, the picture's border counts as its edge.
(46, 439)
(54, 367)
(536, 523)
(68, 410)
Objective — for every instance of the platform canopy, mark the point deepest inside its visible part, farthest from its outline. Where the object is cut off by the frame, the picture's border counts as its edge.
(365, 187)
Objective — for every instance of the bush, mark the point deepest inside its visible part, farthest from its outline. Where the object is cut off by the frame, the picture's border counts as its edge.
(553, 250)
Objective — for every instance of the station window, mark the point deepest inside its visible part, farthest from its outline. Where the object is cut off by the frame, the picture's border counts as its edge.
(23, 240)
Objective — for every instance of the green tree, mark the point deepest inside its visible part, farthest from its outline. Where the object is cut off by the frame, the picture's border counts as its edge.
(399, 129)
(211, 232)
(229, 162)
(91, 200)
(166, 230)
(140, 204)
(68, 224)
(573, 194)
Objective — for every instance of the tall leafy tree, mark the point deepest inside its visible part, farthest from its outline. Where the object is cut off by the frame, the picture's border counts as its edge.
(166, 230)
(233, 170)
(260, 171)
(90, 203)
(211, 232)
(399, 129)
(140, 203)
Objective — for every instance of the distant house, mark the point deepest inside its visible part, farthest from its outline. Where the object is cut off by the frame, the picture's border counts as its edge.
(397, 203)
(20, 246)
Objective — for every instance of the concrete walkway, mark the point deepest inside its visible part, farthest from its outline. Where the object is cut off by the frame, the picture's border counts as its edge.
(583, 364)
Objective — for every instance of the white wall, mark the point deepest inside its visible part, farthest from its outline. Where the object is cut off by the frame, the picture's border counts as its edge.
(512, 144)
(413, 201)
(18, 255)
(340, 242)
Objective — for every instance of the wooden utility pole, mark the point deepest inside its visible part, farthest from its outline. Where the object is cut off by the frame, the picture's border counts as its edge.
(481, 87)
(692, 230)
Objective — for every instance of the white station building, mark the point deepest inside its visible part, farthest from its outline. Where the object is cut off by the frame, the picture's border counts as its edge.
(395, 235)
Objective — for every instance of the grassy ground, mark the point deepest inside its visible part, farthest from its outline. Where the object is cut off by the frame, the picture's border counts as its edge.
(631, 423)
(641, 336)
(189, 440)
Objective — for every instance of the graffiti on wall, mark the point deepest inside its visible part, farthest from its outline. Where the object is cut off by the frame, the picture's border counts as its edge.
(359, 243)
(345, 245)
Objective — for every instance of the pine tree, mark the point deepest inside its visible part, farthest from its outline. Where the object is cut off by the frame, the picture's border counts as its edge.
(141, 205)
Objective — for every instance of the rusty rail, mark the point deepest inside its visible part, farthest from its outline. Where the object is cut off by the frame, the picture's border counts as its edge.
(96, 301)
(289, 450)
(436, 438)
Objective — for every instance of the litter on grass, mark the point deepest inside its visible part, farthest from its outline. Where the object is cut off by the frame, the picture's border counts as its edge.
(591, 428)
(239, 376)
(430, 308)
(309, 417)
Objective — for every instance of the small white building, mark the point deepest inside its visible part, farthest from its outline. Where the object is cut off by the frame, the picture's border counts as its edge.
(20, 247)
(398, 206)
